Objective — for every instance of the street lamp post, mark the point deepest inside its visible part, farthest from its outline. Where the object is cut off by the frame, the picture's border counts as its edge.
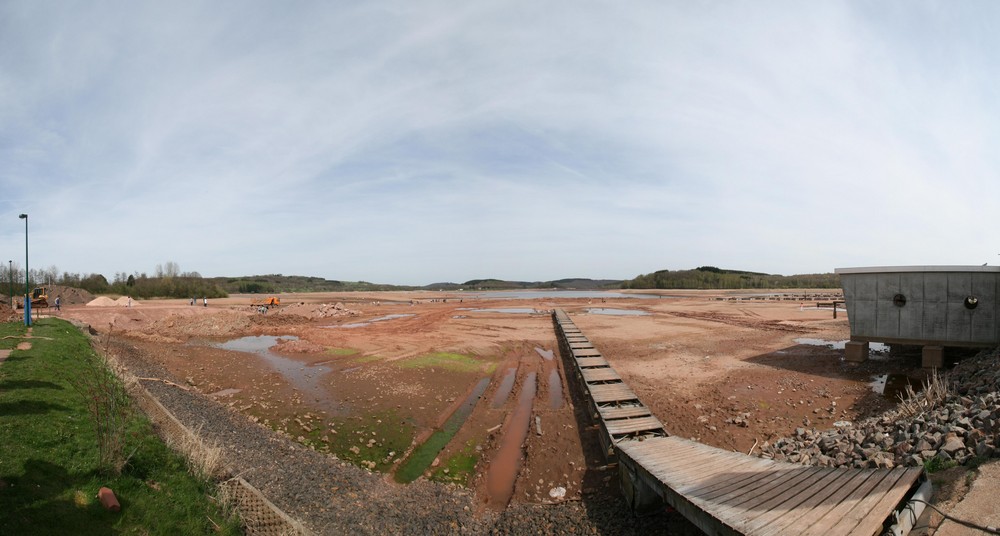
(27, 293)
(10, 273)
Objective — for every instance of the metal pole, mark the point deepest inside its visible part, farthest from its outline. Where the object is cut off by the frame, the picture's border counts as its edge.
(10, 274)
(27, 293)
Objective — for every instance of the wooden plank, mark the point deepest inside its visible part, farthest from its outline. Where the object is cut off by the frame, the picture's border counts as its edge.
(788, 500)
(844, 505)
(586, 352)
(587, 362)
(600, 375)
(814, 507)
(580, 345)
(861, 520)
(628, 426)
(727, 504)
(610, 414)
(616, 392)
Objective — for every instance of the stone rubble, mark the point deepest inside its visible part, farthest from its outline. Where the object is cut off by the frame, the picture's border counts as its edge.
(963, 428)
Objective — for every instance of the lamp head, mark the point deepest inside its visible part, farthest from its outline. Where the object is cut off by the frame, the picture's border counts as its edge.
(23, 216)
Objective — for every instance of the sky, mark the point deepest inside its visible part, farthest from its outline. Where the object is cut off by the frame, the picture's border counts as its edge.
(413, 142)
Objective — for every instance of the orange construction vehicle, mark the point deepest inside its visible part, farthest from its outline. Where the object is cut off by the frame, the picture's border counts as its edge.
(271, 301)
(39, 299)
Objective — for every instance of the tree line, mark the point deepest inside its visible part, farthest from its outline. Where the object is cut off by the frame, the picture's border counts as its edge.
(166, 282)
(711, 277)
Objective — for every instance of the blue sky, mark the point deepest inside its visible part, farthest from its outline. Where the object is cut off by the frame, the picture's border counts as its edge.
(415, 142)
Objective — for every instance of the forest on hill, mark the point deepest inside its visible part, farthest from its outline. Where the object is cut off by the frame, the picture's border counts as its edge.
(710, 277)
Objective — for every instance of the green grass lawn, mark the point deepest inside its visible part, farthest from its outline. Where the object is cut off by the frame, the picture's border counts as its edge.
(49, 474)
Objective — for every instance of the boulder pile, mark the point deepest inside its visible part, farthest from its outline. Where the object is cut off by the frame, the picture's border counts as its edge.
(317, 310)
(962, 427)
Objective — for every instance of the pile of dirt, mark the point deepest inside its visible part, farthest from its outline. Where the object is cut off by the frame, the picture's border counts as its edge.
(69, 295)
(7, 314)
(222, 324)
(125, 301)
(298, 346)
(317, 310)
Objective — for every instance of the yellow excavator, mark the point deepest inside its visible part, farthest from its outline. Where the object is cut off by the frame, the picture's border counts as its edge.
(39, 299)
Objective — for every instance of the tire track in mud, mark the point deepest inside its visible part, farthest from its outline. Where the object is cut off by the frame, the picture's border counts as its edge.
(732, 320)
(529, 400)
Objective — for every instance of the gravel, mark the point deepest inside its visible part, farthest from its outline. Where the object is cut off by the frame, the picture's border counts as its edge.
(963, 428)
(330, 496)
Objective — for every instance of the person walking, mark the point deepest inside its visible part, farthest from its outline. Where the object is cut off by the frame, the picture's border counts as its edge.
(58, 302)
(206, 301)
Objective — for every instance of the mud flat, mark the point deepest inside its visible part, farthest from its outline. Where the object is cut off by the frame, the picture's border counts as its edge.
(727, 373)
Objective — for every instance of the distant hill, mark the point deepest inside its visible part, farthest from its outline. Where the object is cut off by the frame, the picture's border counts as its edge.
(275, 283)
(499, 284)
(710, 277)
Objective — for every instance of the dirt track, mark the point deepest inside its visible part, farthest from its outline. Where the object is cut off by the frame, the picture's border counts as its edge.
(728, 373)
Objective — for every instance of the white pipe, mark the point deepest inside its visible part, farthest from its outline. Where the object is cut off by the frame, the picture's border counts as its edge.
(908, 515)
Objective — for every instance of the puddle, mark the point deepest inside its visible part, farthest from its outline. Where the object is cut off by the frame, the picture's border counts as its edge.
(307, 379)
(423, 456)
(891, 386)
(392, 317)
(549, 355)
(354, 325)
(506, 310)
(873, 347)
(616, 312)
(555, 389)
(507, 462)
(503, 391)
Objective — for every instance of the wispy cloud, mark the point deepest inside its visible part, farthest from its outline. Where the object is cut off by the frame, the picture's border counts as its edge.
(418, 142)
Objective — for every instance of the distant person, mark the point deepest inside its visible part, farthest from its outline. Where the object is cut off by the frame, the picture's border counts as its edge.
(129, 302)
(192, 301)
(206, 301)
(58, 302)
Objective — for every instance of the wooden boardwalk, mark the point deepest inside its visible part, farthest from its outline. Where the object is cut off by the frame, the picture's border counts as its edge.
(725, 492)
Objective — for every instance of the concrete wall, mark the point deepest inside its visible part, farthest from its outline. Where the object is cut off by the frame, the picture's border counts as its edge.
(934, 311)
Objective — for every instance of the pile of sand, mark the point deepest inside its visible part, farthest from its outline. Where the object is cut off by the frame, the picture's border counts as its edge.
(102, 301)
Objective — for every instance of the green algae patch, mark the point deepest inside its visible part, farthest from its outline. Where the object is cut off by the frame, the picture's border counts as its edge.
(446, 361)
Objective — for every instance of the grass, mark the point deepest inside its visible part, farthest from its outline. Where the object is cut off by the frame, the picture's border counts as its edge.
(49, 470)
(459, 468)
(447, 361)
(349, 437)
(341, 351)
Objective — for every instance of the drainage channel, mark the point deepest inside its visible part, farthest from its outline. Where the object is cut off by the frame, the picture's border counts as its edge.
(506, 464)
(421, 458)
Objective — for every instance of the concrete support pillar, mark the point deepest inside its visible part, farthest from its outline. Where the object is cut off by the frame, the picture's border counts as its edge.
(932, 356)
(856, 352)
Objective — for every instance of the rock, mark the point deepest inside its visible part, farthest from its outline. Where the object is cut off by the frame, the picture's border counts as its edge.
(952, 444)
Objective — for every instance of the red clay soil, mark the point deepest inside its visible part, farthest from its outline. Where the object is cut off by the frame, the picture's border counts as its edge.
(727, 373)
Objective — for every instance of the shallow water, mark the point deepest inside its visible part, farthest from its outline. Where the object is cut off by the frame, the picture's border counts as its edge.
(507, 463)
(892, 386)
(354, 325)
(503, 391)
(548, 355)
(505, 310)
(307, 379)
(555, 389)
(616, 312)
(873, 347)
(533, 294)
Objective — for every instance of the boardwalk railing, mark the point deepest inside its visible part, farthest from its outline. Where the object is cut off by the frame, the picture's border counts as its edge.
(725, 492)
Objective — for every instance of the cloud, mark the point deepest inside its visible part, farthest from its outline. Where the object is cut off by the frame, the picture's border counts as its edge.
(410, 143)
